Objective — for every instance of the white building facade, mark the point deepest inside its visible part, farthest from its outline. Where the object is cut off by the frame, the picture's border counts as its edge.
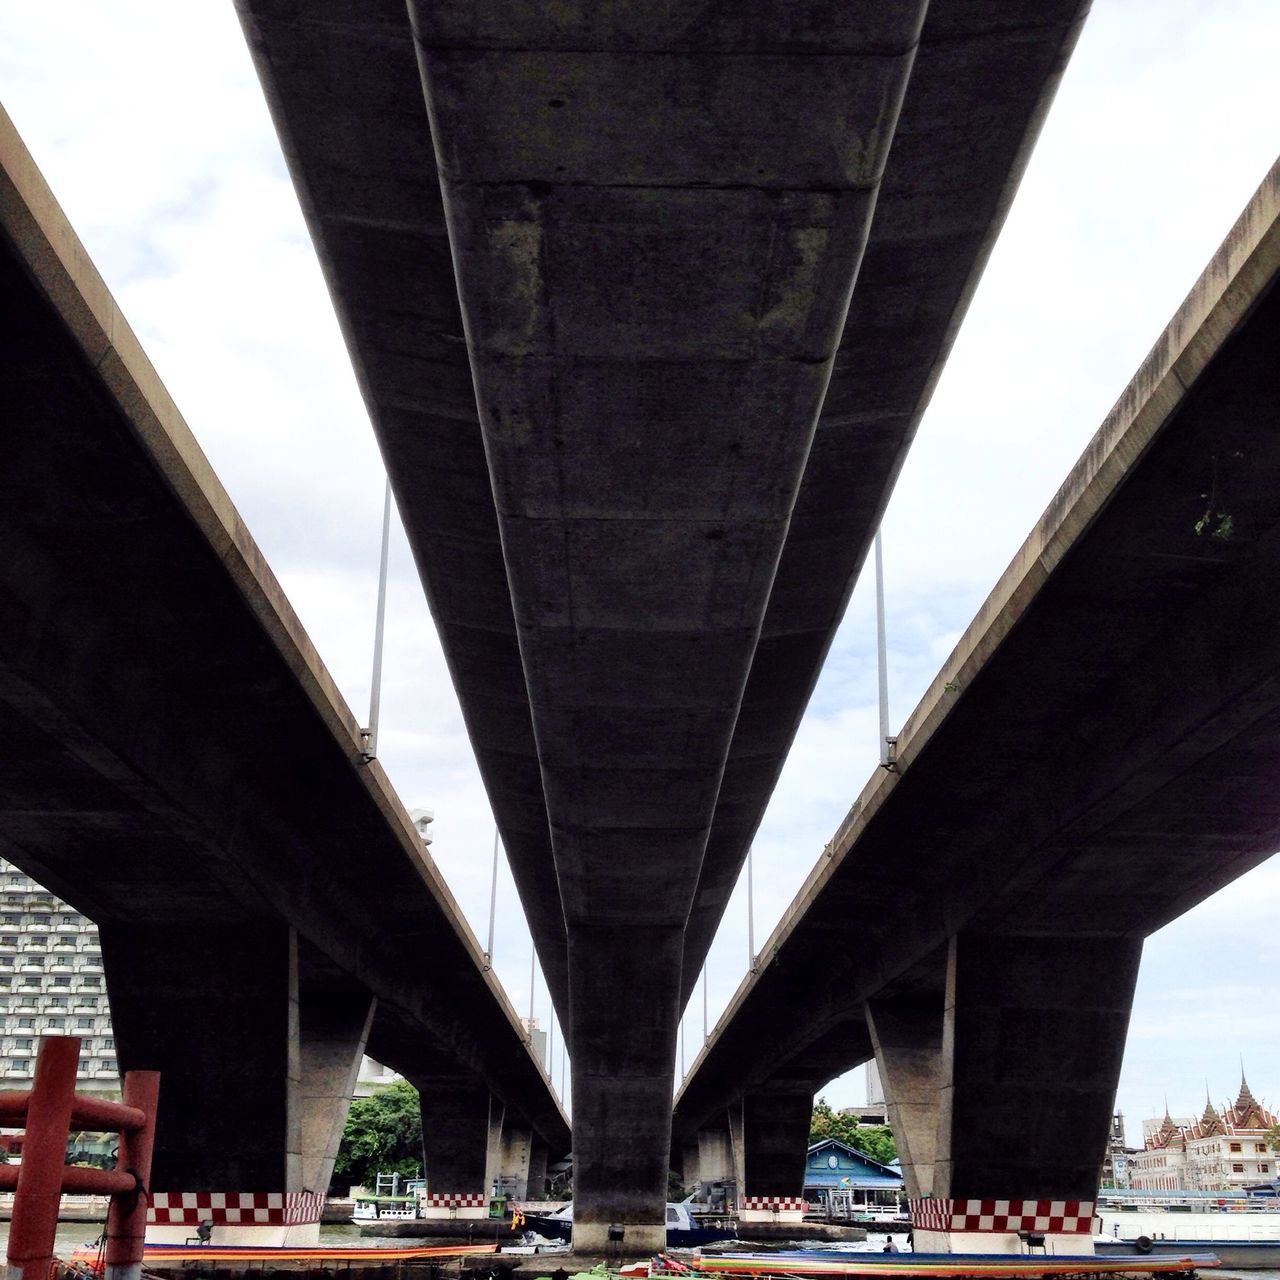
(1225, 1150)
(51, 981)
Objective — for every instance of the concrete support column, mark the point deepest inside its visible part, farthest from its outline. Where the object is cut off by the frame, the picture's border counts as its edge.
(537, 1189)
(775, 1129)
(461, 1146)
(334, 1029)
(690, 1164)
(214, 1008)
(737, 1143)
(1032, 1040)
(513, 1164)
(625, 1004)
(715, 1154)
(906, 1034)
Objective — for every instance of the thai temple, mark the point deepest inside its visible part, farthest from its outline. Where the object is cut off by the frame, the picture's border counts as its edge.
(1225, 1150)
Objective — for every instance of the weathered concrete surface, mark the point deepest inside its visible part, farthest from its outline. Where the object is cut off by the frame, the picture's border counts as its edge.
(635, 546)
(1094, 757)
(775, 1129)
(230, 1112)
(907, 1036)
(177, 758)
(1033, 1035)
(461, 1136)
(333, 1033)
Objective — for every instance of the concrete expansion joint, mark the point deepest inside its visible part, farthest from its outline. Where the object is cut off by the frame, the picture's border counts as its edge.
(541, 187)
(890, 762)
(782, 49)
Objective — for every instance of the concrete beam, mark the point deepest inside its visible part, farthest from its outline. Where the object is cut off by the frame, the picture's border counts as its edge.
(131, 793)
(1085, 782)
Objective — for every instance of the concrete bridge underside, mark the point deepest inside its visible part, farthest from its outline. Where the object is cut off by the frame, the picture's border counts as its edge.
(178, 764)
(1097, 756)
(595, 270)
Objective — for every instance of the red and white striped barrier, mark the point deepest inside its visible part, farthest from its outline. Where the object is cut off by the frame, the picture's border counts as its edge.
(455, 1204)
(1053, 1217)
(772, 1208)
(227, 1208)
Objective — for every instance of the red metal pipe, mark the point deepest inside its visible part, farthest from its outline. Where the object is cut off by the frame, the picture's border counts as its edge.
(97, 1114)
(127, 1217)
(103, 1116)
(79, 1180)
(44, 1153)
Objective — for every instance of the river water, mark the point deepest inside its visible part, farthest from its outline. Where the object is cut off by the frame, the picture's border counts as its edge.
(71, 1235)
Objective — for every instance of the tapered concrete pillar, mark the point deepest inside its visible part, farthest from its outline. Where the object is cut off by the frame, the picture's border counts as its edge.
(334, 1029)
(537, 1188)
(513, 1163)
(215, 1009)
(906, 1034)
(461, 1146)
(737, 1142)
(715, 1153)
(775, 1127)
(1033, 1036)
(625, 1013)
(690, 1165)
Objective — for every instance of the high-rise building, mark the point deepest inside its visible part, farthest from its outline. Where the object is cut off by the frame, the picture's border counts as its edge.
(51, 980)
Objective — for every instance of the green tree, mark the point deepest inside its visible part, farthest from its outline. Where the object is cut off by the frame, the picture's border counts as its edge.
(874, 1140)
(1273, 1137)
(383, 1135)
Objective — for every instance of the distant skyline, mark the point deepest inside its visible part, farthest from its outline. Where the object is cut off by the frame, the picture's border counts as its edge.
(148, 122)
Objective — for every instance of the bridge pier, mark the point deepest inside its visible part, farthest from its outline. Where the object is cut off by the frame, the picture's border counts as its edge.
(516, 1153)
(258, 1074)
(461, 1146)
(537, 1183)
(775, 1138)
(1032, 1035)
(625, 1002)
(906, 1034)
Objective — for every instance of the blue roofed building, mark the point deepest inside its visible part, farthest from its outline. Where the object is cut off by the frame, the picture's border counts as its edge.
(848, 1183)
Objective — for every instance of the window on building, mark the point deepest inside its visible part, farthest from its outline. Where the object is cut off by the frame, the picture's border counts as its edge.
(92, 982)
(69, 920)
(1264, 1166)
(24, 1042)
(83, 1023)
(56, 1002)
(55, 1024)
(26, 1022)
(20, 1064)
(1235, 1146)
(66, 942)
(109, 1042)
(1237, 1168)
(9, 940)
(10, 919)
(1259, 1146)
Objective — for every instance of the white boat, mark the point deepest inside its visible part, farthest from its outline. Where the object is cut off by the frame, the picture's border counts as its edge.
(1242, 1233)
(386, 1208)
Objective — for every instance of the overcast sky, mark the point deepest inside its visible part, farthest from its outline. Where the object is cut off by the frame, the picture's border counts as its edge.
(147, 120)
